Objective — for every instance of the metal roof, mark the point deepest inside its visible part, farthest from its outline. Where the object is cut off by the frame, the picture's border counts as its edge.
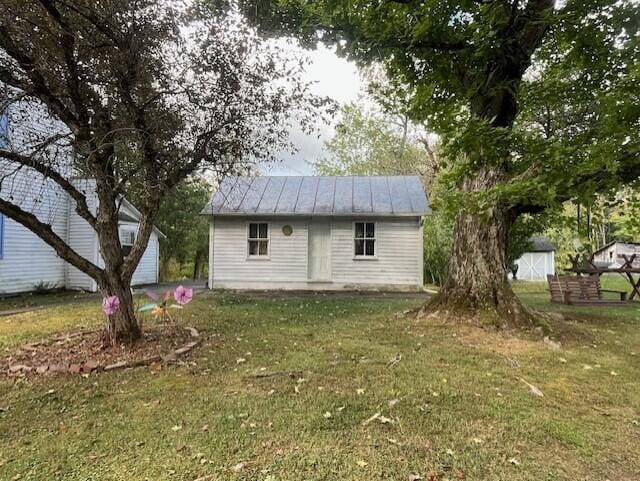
(336, 196)
(541, 244)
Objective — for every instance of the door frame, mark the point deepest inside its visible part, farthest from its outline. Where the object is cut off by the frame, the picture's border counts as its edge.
(329, 221)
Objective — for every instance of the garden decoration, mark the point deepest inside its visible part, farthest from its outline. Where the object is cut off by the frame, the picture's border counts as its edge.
(161, 305)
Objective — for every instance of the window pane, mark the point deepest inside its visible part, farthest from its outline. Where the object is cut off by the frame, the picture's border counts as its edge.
(263, 231)
(253, 248)
(359, 247)
(264, 248)
(370, 246)
(359, 230)
(371, 229)
(253, 231)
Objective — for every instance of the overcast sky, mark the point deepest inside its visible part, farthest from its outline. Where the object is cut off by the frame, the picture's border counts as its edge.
(336, 78)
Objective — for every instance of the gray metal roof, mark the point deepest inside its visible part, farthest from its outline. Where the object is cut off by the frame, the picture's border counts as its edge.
(338, 196)
(541, 244)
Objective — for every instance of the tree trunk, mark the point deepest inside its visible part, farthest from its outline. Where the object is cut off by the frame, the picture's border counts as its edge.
(123, 326)
(477, 287)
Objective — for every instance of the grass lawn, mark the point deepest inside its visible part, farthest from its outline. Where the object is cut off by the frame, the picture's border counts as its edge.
(455, 405)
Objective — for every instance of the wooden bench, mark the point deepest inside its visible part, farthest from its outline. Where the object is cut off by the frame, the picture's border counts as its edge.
(580, 290)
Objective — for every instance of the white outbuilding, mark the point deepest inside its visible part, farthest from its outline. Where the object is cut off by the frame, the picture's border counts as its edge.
(317, 233)
(538, 262)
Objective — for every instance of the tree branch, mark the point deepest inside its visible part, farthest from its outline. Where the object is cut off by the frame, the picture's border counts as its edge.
(46, 233)
(46, 171)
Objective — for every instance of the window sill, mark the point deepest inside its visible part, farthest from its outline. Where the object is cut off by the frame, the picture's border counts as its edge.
(365, 258)
(258, 258)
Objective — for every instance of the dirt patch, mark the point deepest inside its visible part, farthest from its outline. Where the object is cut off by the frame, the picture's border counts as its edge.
(84, 352)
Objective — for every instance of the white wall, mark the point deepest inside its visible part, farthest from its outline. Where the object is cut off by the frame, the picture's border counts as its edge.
(535, 266)
(398, 262)
(27, 261)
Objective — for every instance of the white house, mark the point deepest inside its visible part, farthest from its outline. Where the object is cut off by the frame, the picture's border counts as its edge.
(27, 262)
(538, 262)
(317, 233)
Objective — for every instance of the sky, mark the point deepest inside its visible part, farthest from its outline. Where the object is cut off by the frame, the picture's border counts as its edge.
(336, 78)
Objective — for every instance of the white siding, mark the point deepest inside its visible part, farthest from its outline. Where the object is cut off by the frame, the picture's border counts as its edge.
(147, 270)
(27, 260)
(288, 255)
(398, 254)
(398, 262)
(82, 239)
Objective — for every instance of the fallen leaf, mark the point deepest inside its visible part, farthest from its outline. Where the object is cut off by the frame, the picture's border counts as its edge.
(385, 420)
(535, 390)
(180, 446)
(414, 477)
(327, 415)
(362, 464)
(613, 373)
(393, 402)
(360, 391)
(371, 419)
(177, 427)
(238, 467)
(514, 461)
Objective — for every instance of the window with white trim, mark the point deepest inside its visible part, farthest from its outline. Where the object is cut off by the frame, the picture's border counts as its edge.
(258, 239)
(127, 239)
(364, 239)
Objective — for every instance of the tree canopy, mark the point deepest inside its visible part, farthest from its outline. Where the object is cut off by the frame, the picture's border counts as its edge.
(483, 74)
(145, 93)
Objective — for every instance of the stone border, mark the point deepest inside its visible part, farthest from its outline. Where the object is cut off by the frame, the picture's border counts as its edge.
(94, 366)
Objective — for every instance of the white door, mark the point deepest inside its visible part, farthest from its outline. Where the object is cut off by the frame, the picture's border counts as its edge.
(319, 251)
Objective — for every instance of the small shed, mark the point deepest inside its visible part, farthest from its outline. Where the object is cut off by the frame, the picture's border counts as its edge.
(538, 262)
(317, 233)
(611, 254)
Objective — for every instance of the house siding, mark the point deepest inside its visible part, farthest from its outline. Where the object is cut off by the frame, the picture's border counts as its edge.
(398, 262)
(27, 261)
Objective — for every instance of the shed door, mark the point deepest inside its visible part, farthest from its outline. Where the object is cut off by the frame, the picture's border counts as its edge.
(319, 251)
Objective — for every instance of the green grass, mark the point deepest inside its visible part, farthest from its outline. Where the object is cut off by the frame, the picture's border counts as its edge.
(462, 408)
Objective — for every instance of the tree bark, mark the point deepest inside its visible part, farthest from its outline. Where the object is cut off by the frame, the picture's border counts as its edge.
(477, 287)
(123, 326)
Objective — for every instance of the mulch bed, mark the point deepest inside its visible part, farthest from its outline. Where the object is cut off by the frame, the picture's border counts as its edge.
(84, 352)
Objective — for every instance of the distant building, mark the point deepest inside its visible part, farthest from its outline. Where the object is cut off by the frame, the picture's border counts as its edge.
(611, 253)
(538, 262)
(317, 233)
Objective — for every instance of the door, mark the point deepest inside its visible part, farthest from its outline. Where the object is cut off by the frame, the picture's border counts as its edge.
(319, 261)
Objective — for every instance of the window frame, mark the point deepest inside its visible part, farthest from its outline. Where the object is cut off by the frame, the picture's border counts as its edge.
(129, 229)
(258, 257)
(365, 238)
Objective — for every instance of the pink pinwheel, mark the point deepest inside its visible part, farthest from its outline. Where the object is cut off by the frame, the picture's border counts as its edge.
(110, 305)
(183, 295)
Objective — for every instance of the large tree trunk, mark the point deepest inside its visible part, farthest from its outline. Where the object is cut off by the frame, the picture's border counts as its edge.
(123, 326)
(477, 287)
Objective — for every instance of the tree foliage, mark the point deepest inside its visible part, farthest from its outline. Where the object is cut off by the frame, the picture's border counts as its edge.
(482, 75)
(145, 93)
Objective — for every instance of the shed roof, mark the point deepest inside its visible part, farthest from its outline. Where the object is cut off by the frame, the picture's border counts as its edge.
(336, 196)
(541, 244)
